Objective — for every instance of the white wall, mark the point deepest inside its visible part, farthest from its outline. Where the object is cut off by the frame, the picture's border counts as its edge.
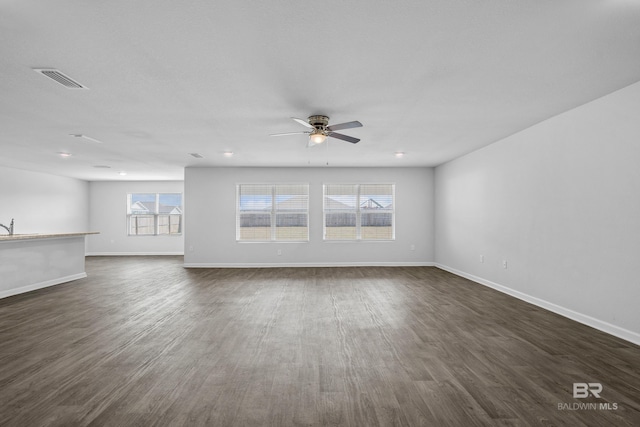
(43, 203)
(560, 202)
(108, 215)
(210, 205)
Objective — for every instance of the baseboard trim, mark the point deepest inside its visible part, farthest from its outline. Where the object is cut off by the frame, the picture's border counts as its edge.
(306, 264)
(133, 253)
(40, 285)
(614, 330)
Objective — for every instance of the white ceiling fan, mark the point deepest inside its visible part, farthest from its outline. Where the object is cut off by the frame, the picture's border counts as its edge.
(319, 130)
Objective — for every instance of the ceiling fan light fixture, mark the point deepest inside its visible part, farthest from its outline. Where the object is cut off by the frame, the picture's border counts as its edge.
(317, 137)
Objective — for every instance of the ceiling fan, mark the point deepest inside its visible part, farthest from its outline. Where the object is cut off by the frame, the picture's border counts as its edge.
(319, 130)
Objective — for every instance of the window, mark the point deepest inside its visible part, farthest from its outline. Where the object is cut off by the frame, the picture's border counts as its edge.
(272, 212)
(153, 214)
(359, 212)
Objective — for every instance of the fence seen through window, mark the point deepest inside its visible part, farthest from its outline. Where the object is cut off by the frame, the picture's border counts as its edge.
(153, 214)
(359, 211)
(272, 212)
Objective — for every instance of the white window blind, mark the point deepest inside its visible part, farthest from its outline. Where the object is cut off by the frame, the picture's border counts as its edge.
(153, 214)
(272, 212)
(359, 212)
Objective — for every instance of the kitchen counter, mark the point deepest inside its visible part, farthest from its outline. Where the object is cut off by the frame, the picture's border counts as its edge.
(5, 238)
(33, 261)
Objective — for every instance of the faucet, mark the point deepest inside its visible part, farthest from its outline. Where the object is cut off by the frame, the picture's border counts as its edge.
(9, 228)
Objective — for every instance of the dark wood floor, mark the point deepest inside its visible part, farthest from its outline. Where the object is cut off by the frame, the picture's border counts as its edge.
(143, 341)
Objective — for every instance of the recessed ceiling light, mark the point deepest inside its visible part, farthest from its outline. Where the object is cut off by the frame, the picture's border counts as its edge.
(64, 154)
(399, 154)
(122, 173)
(228, 154)
(196, 155)
(88, 138)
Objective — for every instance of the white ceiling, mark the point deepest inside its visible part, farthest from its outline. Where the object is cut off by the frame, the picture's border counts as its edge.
(435, 79)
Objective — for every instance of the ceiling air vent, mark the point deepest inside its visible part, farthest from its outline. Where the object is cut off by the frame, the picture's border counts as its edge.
(56, 75)
(197, 155)
(88, 138)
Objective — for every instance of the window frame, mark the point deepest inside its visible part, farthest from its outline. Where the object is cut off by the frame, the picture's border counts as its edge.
(358, 211)
(273, 212)
(156, 215)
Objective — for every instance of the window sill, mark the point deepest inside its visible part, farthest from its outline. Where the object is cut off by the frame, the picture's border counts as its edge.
(360, 241)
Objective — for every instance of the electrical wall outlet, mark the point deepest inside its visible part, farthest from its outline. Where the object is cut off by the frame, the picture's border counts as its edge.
(481, 258)
(504, 264)
(413, 247)
(279, 252)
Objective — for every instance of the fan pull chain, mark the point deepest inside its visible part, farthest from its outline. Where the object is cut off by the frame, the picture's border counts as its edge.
(327, 152)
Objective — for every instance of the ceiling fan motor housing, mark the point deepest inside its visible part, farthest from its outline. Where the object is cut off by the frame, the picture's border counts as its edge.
(319, 122)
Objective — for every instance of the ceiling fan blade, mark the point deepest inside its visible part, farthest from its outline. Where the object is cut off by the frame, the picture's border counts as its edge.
(290, 133)
(303, 122)
(348, 125)
(344, 137)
